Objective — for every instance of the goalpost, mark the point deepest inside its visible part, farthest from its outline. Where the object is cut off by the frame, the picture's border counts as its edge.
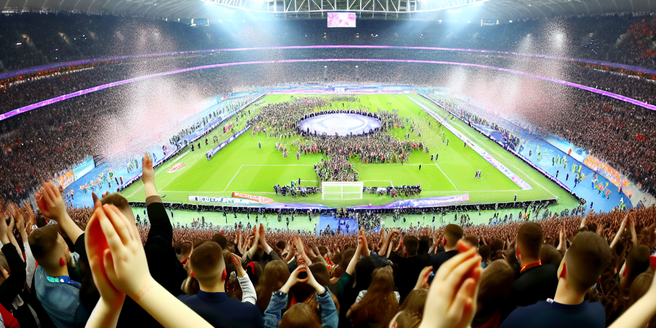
(341, 190)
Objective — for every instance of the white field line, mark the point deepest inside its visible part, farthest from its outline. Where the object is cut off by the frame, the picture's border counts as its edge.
(508, 162)
(453, 184)
(511, 164)
(233, 177)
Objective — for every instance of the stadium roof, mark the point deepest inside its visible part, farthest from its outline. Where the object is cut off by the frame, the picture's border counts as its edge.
(502, 10)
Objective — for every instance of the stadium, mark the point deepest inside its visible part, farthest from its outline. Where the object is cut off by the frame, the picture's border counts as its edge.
(329, 150)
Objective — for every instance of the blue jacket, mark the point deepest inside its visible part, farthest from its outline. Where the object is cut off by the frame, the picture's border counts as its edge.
(60, 299)
(329, 315)
(222, 311)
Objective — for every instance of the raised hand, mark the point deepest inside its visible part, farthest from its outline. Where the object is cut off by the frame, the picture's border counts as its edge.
(4, 238)
(422, 281)
(116, 239)
(293, 278)
(363, 239)
(97, 251)
(451, 301)
(30, 218)
(263, 241)
(236, 260)
(147, 171)
(51, 203)
(10, 225)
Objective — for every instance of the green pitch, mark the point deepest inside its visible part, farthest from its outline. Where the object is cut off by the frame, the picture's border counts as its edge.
(243, 166)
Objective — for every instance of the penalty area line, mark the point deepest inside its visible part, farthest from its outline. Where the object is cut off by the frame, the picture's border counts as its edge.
(454, 186)
(233, 177)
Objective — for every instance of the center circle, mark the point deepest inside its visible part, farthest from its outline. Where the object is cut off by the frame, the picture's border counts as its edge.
(342, 124)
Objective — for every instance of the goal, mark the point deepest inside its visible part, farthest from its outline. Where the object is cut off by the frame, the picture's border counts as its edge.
(341, 190)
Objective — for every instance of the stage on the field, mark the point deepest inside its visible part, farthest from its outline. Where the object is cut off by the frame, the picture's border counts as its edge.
(252, 165)
(342, 124)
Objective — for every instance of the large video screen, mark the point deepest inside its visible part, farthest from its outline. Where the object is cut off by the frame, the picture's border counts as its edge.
(341, 19)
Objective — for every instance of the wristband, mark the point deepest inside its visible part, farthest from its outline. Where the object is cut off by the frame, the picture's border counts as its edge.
(279, 293)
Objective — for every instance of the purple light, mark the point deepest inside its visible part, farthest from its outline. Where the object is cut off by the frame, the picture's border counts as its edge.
(175, 53)
(414, 61)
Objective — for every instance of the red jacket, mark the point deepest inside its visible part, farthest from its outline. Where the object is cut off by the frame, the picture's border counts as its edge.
(8, 319)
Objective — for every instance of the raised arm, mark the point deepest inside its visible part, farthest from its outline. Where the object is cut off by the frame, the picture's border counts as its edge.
(632, 228)
(452, 296)
(52, 205)
(620, 231)
(29, 257)
(248, 291)
(13, 284)
(12, 238)
(329, 314)
(148, 176)
(119, 267)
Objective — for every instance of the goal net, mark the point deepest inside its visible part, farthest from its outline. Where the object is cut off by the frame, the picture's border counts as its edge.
(341, 190)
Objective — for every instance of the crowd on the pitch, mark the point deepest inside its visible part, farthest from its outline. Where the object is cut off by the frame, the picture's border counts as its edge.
(281, 120)
(591, 271)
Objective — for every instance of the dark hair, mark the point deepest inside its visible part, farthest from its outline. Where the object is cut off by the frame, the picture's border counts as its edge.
(550, 255)
(207, 261)
(117, 200)
(637, 262)
(494, 289)
(452, 233)
(220, 239)
(185, 248)
(274, 276)
(379, 304)
(529, 240)
(496, 245)
(411, 244)
(424, 244)
(485, 252)
(472, 240)
(281, 245)
(588, 256)
(363, 271)
(43, 242)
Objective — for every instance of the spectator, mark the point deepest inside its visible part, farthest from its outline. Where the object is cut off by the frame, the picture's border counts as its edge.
(452, 234)
(536, 281)
(408, 266)
(376, 306)
(211, 303)
(493, 293)
(584, 261)
(58, 293)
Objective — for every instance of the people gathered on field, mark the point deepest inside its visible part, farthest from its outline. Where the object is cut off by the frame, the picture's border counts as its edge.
(74, 268)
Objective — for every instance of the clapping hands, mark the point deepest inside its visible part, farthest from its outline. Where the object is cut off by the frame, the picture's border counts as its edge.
(451, 301)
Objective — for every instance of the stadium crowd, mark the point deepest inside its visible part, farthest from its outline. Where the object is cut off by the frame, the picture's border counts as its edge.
(377, 146)
(76, 267)
(616, 132)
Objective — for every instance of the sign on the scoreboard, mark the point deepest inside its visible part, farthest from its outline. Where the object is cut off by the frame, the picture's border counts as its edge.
(341, 19)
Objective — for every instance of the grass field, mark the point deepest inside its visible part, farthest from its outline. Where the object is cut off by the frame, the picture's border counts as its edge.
(242, 166)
